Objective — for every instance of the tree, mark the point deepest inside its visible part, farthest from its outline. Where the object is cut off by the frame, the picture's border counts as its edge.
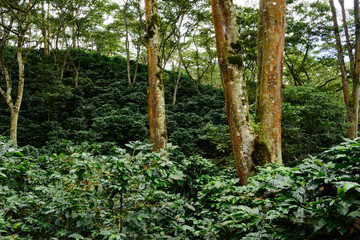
(232, 72)
(156, 100)
(308, 30)
(248, 148)
(351, 101)
(17, 22)
(270, 45)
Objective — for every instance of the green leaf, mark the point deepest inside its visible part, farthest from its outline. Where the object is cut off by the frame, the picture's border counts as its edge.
(191, 207)
(186, 227)
(355, 214)
(319, 224)
(331, 224)
(76, 236)
(342, 208)
(105, 233)
(15, 226)
(347, 186)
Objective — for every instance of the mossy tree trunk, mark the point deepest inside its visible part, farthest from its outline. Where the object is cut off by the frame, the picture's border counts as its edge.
(270, 45)
(236, 100)
(156, 100)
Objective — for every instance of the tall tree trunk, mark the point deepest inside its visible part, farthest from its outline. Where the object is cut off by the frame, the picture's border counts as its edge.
(14, 117)
(356, 80)
(348, 44)
(177, 35)
(156, 100)
(232, 72)
(73, 16)
(44, 32)
(176, 82)
(349, 102)
(74, 44)
(138, 42)
(271, 38)
(127, 43)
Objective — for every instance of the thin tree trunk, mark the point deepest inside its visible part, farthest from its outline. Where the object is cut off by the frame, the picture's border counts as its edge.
(64, 64)
(14, 117)
(177, 39)
(176, 83)
(127, 44)
(156, 100)
(73, 16)
(355, 93)
(232, 71)
(348, 44)
(271, 38)
(352, 129)
(48, 28)
(20, 91)
(138, 42)
(44, 32)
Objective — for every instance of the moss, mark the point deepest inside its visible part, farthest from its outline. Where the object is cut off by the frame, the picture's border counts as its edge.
(153, 21)
(235, 59)
(161, 80)
(236, 46)
(261, 154)
(234, 55)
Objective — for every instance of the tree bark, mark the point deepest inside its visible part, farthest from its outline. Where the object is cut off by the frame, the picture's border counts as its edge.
(352, 112)
(271, 38)
(44, 32)
(127, 43)
(156, 100)
(355, 92)
(14, 117)
(346, 29)
(232, 72)
(138, 42)
(177, 35)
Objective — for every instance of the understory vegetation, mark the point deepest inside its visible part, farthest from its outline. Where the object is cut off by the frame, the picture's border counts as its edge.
(86, 171)
(134, 193)
(105, 110)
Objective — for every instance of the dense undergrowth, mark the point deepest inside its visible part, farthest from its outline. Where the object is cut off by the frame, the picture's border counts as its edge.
(133, 193)
(105, 110)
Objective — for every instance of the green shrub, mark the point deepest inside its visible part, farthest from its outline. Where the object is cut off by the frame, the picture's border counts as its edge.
(134, 193)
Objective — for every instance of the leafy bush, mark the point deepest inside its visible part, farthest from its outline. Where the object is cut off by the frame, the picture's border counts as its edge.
(80, 196)
(311, 121)
(318, 199)
(134, 193)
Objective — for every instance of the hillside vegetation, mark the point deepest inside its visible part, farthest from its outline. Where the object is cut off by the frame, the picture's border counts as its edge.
(104, 109)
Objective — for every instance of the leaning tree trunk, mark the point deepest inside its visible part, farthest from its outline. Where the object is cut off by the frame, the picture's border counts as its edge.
(236, 100)
(352, 112)
(347, 36)
(271, 38)
(156, 100)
